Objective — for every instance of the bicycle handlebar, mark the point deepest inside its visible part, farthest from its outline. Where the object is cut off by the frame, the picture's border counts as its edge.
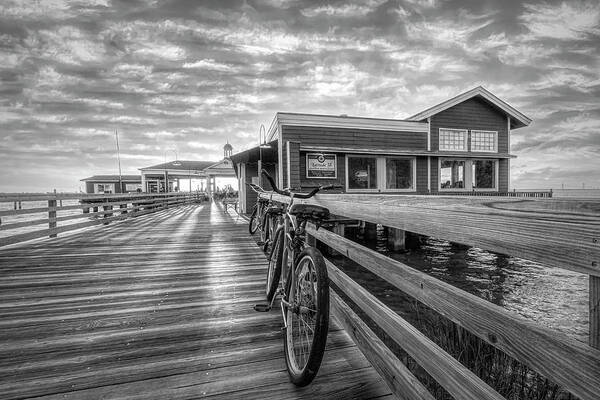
(256, 188)
(289, 193)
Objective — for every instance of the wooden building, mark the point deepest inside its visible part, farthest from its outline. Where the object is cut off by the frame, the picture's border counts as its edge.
(460, 145)
(108, 184)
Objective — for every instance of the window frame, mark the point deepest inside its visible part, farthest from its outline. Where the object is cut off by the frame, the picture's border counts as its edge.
(104, 185)
(484, 131)
(348, 156)
(380, 163)
(468, 186)
(496, 176)
(466, 139)
(413, 161)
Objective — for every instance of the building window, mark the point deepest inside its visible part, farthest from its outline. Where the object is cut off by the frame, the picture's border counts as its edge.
(133, 187)
(362, 173)
(484, 174)
(484, 141)
(377, 173)
(452, 174)
(398, 173)
(453, 139)
(468, 174)
(104, 188)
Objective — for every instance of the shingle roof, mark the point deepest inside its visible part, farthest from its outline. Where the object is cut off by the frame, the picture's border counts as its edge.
(182, 165)
(113, 178)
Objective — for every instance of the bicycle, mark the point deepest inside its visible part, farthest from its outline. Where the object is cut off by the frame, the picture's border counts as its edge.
(304, 289)
(264, 216)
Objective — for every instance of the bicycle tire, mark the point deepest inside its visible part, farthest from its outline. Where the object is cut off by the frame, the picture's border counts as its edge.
(253, 224)
(274, 269)
(310, 309)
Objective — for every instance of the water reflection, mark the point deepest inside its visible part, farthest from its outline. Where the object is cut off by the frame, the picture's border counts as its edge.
(553, 297)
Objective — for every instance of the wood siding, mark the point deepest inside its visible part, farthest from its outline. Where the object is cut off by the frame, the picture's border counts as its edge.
(355, 138)
(471, 114)
(503, 175)
(434, 170)
(421, 175)
(295, 170)
(251, 171)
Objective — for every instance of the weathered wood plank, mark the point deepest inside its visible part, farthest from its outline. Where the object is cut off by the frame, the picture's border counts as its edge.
(146, 308)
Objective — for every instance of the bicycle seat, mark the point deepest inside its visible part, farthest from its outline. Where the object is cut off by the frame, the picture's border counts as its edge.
(309, 211)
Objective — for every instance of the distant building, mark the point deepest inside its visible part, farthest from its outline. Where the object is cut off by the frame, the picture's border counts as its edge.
(166, 176)
(109, 184)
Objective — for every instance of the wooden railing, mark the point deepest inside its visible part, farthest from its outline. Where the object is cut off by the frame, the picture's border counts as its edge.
(95, 209)
(553, 232)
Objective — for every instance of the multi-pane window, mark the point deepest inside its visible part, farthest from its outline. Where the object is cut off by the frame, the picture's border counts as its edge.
(453, 139)
(483, 140)
(380, 173)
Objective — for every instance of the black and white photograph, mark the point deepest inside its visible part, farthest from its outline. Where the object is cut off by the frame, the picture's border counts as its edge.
(295, 199)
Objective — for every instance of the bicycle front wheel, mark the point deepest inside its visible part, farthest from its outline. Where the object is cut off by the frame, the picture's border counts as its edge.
(307, 317)
(253, 225)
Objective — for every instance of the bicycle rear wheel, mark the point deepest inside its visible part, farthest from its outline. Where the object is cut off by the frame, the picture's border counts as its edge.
(275, 258)
(307, 317)
(265, 227)
(253, 224)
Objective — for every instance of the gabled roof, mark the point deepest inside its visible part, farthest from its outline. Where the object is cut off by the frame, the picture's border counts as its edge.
(113, 178)
(182, 165)
(518, 119)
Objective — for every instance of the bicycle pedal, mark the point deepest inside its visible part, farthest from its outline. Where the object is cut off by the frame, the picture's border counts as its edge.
(262, 307)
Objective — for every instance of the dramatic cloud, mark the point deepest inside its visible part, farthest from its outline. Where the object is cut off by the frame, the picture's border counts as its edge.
(180, 78)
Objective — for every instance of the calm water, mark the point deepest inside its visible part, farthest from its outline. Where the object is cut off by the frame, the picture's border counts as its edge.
(553, 297)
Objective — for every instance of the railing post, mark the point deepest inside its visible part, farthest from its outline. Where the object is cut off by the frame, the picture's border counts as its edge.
(52, 216)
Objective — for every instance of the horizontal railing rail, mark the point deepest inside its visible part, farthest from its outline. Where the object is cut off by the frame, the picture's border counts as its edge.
(553, 232)
(96, 209)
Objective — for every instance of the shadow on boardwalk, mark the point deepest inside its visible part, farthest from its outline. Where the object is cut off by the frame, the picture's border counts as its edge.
(154, 307)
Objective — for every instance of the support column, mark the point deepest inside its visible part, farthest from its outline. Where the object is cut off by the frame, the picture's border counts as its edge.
(396, 239)
(370, 231)
(52, 216)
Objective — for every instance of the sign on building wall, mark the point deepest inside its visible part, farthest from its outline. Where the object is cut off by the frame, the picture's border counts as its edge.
(321, 166)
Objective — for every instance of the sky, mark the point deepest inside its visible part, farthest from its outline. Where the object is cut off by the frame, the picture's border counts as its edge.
(180, 78)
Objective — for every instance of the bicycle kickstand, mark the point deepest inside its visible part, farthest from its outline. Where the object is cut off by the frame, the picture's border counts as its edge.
(267, 307)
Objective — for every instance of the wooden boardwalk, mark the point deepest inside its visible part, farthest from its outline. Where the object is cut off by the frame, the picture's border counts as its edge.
(156, 307)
